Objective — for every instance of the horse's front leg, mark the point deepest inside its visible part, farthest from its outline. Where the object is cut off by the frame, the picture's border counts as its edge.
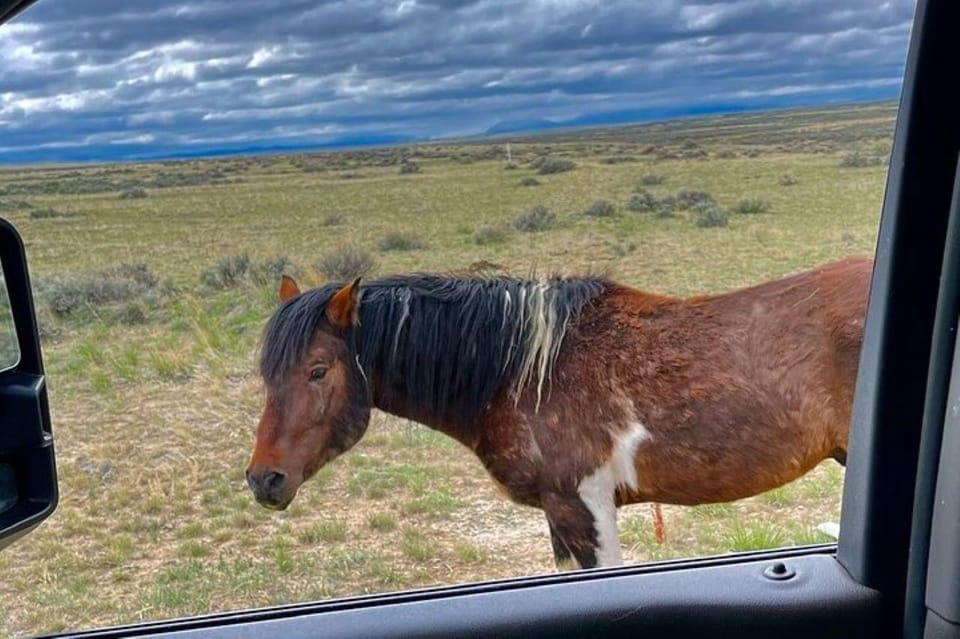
(583, 525)
(562, 556)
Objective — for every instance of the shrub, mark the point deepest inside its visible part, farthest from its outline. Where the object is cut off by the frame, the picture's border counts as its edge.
(332, 219)
(134, 193)
(551, 165)
(667, 204)
(510, 166)
(645, 202)
(708, 214)
(489, 235)
(688, 199)
(46, 213)
(14, 205)
(539, 218)
(138, 273)
(651, 179)
(401, 242)
(239, 269)
(346, 263)
(268, 272)
(601, 208)
(408, 166)
(120, 283)
(529, 181)
(228, 272)
(752, 206)
(130, 313)
(485, 266)
(692, 154)
(857, 160)
(788, 179)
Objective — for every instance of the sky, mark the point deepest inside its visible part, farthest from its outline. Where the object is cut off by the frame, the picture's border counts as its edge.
(127, 79)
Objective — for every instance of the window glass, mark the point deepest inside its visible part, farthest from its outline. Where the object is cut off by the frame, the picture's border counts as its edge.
(168, 162)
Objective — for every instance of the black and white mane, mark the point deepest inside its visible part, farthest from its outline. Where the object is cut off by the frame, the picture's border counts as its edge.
(449, 343)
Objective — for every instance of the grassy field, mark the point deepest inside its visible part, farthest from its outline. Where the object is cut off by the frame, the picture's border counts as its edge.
(153, 282)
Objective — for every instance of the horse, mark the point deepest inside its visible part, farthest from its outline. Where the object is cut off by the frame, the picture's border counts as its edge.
(578, 394)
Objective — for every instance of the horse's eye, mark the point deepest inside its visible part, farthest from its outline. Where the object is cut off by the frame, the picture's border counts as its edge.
(317, 373)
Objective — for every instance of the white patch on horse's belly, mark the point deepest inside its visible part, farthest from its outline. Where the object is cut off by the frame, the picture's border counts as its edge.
(624, 457)
(597, 491)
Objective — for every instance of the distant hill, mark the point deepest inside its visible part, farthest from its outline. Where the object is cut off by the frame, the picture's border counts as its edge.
(652, 126)
(518, 126)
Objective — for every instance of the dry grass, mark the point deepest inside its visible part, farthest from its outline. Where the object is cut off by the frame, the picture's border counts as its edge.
(154, 420)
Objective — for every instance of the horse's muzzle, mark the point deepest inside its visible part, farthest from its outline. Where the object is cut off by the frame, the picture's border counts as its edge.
(271, 488)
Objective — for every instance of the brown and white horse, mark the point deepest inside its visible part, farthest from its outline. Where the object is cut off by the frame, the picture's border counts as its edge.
(577, 394)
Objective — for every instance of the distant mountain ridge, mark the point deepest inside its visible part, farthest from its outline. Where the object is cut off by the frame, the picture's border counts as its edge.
(507, 128)
(521, 126)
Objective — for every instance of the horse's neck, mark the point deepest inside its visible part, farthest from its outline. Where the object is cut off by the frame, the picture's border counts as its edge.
(395, 402)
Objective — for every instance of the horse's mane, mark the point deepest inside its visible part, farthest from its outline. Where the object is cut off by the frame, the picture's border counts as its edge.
(449, 343)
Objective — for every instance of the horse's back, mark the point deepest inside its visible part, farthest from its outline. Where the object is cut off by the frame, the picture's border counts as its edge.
(756, 388)
(812, 332)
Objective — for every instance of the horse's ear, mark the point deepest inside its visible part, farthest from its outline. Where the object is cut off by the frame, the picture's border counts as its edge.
(288, 288)
(343, 309)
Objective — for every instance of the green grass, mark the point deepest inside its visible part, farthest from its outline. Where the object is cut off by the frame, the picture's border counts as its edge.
(383, 522)
(324, 531)
(436, 504)
(381, 481)
(417, 546)
(470, 553)
(152, 369)
(754, 536)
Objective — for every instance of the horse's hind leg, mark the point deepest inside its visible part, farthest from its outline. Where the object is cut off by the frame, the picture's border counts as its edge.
(583, 528)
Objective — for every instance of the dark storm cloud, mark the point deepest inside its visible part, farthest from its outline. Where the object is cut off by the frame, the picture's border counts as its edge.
(115, 77)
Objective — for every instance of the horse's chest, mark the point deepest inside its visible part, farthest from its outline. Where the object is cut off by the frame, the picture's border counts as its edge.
(516, 476)
(530, 461)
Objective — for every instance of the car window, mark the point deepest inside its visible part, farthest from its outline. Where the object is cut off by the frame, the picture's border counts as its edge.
(200, 186)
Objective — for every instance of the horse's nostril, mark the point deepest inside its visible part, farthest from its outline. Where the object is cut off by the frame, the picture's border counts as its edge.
(265, 483)
(273, 479)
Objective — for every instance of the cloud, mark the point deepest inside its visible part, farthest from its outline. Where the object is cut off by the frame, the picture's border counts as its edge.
(172, 74)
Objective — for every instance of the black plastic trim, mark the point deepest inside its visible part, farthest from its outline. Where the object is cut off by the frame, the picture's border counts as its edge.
(943, 567)
(941, 378)
(13, 260)
(680, 599)
(10, 8)
(26, 440)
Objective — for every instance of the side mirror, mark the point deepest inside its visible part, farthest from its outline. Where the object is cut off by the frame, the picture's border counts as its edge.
(28, 475)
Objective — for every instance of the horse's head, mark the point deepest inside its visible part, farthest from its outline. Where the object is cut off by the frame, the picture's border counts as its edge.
(317, 400)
